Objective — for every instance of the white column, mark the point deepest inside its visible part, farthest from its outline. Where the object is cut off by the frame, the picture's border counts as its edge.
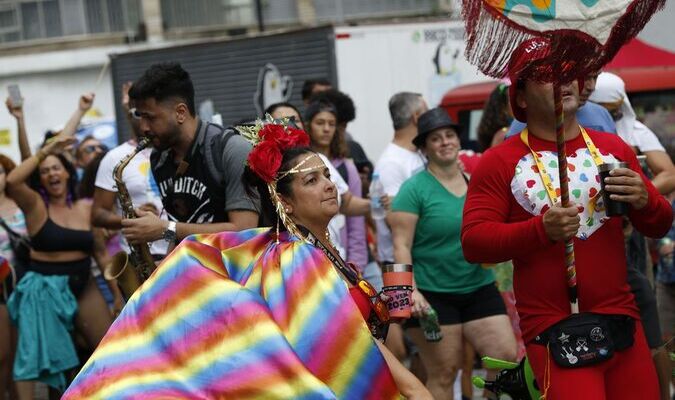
(152, 17)
(306, 12)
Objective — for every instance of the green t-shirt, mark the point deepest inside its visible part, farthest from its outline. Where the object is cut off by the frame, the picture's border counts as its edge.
(438, 261)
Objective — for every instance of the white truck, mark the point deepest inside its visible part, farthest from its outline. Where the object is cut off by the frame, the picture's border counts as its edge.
(376, 61)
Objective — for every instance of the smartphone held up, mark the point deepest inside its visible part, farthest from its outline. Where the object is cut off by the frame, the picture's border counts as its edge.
(15, 95)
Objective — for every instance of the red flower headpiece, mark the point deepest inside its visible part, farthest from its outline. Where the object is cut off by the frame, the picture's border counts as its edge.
(269, 140)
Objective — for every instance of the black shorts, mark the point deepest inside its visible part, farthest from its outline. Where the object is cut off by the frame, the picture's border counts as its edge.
(79, 272)
(460, 308)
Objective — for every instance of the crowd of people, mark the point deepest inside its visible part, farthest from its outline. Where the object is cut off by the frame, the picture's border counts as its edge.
(269, 278)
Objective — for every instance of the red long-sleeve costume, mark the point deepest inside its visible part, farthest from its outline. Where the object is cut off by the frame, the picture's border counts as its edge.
(497, 227)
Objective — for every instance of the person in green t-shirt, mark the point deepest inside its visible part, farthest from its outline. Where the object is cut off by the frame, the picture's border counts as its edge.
(426, 221)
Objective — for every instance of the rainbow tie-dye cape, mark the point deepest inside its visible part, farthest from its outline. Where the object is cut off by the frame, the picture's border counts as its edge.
(235, 315)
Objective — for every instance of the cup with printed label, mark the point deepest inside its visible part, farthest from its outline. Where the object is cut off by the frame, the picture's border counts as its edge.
(398, 279)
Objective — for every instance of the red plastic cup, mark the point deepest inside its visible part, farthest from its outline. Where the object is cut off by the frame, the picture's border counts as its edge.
(397, 286)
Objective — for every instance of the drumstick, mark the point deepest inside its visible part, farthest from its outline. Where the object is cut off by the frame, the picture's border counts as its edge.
(101, 74)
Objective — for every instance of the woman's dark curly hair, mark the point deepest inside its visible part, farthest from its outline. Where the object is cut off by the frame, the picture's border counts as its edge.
(257, 188)
(344, 105)
(495, 116)
(71, 185)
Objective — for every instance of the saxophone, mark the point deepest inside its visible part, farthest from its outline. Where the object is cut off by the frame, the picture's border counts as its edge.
(130, 270)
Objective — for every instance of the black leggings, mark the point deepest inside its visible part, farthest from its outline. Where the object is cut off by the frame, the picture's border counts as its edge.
(78, 271)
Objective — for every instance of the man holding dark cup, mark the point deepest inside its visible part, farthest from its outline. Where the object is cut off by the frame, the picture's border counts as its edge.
(513, 211)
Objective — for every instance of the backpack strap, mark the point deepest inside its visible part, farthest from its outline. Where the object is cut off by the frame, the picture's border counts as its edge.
(9, 230)
(213, 130)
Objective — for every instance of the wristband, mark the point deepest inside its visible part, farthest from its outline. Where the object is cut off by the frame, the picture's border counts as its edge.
(41, 155)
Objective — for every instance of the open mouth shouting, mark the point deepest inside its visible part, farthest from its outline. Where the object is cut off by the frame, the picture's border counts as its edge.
(54, 183)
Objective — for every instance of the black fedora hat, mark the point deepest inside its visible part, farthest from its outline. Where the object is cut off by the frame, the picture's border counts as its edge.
(430, 121)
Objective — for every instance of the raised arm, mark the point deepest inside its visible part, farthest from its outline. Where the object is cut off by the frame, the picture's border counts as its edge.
(84, 105)
(125, 100)
(17, 112)
(26, 198)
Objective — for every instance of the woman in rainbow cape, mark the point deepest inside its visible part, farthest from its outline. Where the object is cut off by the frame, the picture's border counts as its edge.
(271, 313)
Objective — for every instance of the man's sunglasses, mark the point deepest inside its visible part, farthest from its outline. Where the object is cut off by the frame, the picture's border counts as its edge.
(133, 113)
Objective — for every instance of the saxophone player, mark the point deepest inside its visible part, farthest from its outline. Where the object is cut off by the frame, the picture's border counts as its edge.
(198, 166)
(139, 182)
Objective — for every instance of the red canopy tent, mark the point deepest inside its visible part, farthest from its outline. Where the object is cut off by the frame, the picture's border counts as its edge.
(644, 67)
(638, 53)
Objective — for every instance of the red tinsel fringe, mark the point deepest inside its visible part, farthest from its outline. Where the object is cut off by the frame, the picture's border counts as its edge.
(491, 38)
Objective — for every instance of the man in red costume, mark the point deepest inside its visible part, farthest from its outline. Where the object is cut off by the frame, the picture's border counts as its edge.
(510, 214)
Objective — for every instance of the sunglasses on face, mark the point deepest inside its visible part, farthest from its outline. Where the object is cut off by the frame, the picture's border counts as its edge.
(133, 113)
(94, 147)
(290, 120)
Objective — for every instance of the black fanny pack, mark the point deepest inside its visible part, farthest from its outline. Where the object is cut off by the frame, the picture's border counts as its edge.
(587, 338)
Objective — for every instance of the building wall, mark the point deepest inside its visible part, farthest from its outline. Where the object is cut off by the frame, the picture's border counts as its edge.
(230, 73)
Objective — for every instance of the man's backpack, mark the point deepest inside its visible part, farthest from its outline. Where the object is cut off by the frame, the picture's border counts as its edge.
(211, 153)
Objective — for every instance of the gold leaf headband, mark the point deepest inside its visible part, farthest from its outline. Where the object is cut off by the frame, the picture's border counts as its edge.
(269, 139)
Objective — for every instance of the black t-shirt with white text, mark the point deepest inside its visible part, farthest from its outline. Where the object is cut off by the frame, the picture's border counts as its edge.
(210, 183)
(186, 197)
